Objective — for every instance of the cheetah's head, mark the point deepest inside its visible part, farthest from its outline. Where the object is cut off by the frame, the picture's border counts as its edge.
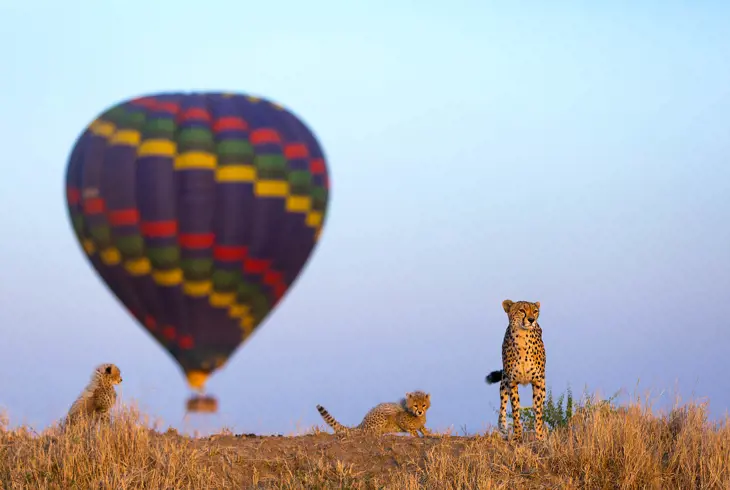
(110, 372)
(417, 402)
(522, 314)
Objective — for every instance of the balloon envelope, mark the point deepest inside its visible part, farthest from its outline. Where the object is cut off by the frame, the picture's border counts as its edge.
(198, 210)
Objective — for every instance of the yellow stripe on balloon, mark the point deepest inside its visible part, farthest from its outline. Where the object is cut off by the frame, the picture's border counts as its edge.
(271, 188)
(157, 148)
(314, 219)
(247, 323)
(102, 128)
(128, 137)
(89, 246)
(138, 267)
(298, 204)
(171, 277)
(197, 288)
(236, 173)
(221, 300)
(238, 310)
(195, 160)
(110, 256)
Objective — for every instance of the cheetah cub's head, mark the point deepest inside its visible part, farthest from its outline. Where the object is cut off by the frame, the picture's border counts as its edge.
(110, 372)
(522, 314)
(417, 402)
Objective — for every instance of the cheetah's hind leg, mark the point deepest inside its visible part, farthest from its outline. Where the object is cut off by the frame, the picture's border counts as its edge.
(504, 396)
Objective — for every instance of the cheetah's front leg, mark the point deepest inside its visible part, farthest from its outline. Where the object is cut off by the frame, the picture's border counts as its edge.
(504, 394)
(514, 397)
(538, 400)
(104, 417)
(425, 431)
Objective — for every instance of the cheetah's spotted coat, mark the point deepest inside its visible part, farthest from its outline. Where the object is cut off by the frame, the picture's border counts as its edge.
(407, 416)
(523, 362)
(98, 397)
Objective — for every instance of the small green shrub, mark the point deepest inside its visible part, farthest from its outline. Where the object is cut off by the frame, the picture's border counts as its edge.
(558, 412)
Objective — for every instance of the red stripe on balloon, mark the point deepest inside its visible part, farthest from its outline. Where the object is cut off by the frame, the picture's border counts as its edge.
(148, 102)
(150, 322)
(256, 266)
(296, 150)
(194, 114)
(73, 195)
(94, 205)
(272, 278)
(169, 332)
(229, 253)
(316, 166)
(265, 135)
(279, 290)
(159, 229)
(196, 240)
(155, 105)
(122, 217)
(186, 342)
(230, 123)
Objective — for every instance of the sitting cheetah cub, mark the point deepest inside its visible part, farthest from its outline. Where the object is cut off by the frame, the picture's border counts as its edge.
(407, 416)
(99, 395)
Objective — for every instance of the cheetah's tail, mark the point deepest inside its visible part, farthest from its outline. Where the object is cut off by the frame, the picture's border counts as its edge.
(338, 427)
(494, 377)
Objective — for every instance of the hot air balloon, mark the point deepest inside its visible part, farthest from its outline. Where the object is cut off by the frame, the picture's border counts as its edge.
(198, 211)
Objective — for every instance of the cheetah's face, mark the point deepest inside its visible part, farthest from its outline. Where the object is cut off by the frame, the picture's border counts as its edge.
(522, 314)
(418, 402)
(112, 373)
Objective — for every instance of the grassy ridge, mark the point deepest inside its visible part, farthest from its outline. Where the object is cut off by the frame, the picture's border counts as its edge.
(599, 446)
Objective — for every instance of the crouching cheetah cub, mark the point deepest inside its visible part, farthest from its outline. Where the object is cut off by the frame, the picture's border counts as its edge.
(407, 416)
(523, 362)
(98, 397)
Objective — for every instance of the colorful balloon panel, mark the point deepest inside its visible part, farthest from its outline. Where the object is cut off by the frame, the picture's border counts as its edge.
(198, 211)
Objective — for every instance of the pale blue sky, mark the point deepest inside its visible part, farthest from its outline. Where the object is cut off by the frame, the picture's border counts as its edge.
(573, 154)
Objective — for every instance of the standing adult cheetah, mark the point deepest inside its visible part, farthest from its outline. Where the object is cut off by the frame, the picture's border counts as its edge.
(523, 362)
(98, 397)
(407, 416)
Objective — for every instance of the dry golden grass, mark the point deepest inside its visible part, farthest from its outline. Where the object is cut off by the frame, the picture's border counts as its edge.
(628, 448)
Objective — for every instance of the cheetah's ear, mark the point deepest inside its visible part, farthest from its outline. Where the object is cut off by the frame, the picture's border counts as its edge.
(428, 396)
(537, 303)
(507, 304)
(108, 370)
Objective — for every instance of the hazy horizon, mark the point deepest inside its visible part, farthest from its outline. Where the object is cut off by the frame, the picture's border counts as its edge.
(574, 155)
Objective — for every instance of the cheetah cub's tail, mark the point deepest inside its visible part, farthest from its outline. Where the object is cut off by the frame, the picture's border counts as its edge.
(336, 426)
(495, 377)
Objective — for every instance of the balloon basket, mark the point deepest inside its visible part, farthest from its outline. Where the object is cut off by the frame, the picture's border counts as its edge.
(202, 404)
